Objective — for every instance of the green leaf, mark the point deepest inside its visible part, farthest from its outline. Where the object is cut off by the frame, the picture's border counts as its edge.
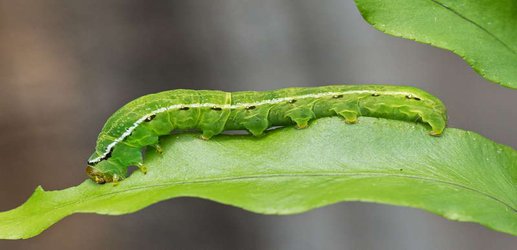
(461, 175)
(483, 32)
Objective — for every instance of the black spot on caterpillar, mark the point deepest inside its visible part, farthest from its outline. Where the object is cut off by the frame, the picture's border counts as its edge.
(141, 122)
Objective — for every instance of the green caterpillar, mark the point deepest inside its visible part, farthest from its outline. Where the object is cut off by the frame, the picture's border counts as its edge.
(141, 122)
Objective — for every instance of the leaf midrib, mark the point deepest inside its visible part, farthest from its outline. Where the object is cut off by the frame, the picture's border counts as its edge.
(296, 175)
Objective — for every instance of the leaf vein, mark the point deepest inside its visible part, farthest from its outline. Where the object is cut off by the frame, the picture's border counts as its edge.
(304, 175)
(475, 24)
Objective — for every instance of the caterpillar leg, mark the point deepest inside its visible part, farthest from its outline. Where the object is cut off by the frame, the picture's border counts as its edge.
(115, 180)
(142, 168)
(256, 126)
(348, 111)
(209, 132)
(435, 133)
(436, 122)
(437, 127)
(212, 122)
(158, 149)
(350, 116)
(301, 117)
(205, 137)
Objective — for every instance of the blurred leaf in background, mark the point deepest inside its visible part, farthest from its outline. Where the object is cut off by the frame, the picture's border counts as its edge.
(483, 32)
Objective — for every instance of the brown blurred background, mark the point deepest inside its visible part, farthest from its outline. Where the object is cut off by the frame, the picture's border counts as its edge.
(65, 66)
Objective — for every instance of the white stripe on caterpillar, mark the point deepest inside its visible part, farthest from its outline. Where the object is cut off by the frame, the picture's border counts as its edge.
(234, 106)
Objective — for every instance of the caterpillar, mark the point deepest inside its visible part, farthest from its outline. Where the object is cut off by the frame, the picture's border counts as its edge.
(141, 122)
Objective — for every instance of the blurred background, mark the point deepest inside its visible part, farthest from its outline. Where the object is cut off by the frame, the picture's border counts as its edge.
(65, 66)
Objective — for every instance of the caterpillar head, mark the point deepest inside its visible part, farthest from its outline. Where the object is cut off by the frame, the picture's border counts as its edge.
(103, 172)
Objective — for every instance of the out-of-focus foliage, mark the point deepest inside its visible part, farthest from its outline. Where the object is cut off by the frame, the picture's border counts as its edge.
(483, 32)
